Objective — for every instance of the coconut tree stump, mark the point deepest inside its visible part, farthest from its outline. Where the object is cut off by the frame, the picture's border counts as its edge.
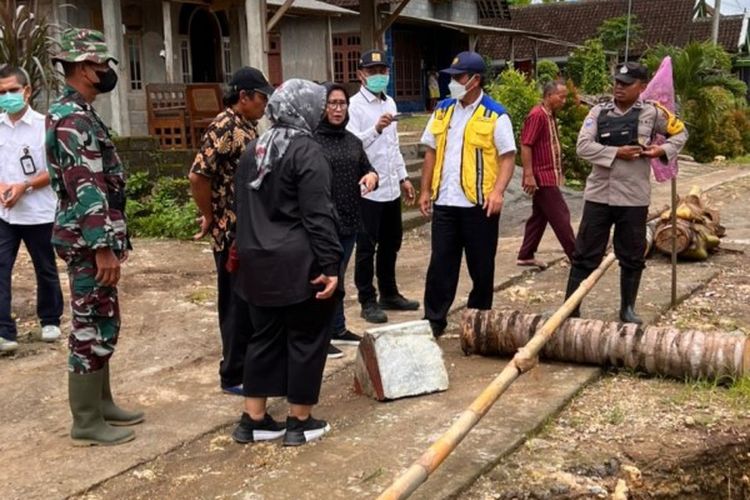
(654, 350)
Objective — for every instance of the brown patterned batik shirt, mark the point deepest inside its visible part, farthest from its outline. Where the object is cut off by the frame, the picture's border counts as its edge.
(218, 158)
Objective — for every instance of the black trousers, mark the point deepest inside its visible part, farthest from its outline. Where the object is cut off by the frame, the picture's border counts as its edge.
(49, 299)
(234, 324)
(456, 231)
(378, 244)
(593, 235)
(287, 350)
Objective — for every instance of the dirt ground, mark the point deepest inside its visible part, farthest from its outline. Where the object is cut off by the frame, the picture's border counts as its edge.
(168, 355)
(652, 437)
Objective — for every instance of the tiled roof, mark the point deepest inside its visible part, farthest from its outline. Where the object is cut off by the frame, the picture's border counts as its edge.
(662, 21)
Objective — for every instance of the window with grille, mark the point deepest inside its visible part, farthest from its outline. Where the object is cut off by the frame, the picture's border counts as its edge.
(187, 76)
(227, 52)
(135, 58)
(346, 51)
(493, 9)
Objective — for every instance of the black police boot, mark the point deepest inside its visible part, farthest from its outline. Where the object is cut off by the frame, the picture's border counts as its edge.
(576, 277)
(630, 280)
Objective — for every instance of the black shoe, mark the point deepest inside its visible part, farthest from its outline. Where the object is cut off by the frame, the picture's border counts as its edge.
(334, 352)
(437, 328)
(251, 431)
(346, 338)
(398, 303)
(630, 280)
(299, 432)
(372, 313)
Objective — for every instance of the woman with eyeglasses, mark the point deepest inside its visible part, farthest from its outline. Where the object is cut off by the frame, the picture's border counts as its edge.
(351, 177)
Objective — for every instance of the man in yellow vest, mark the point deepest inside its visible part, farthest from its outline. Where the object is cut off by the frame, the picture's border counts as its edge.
(467, 167)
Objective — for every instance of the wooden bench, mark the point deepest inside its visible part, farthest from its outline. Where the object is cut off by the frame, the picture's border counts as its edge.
(179, 114)
(167, 114)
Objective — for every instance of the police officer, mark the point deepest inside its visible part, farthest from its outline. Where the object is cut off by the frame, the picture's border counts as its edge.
(616, 138)
(89, 233)
(467, 167)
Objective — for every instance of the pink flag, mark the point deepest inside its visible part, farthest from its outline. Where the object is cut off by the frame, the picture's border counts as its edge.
(661, 90)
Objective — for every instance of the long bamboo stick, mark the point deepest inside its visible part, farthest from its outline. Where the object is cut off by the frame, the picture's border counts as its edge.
(524, 360)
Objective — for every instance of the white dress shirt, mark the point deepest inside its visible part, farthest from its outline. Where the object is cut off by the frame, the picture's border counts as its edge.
(383, 150)
(26, 136)
(451, 193)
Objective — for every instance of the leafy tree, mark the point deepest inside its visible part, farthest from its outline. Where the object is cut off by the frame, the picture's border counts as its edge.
(546, 71)
(27, 41)
(587, 67)
(517, 93)
(570, 119)
(613, 33)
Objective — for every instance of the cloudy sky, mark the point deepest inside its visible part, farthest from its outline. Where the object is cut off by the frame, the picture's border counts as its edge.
(734, 6)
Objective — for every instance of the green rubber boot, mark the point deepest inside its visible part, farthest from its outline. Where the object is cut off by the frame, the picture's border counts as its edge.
(89, 427)
(113, 414)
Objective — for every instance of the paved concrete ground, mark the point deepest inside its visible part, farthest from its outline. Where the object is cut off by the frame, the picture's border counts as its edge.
(167, 364)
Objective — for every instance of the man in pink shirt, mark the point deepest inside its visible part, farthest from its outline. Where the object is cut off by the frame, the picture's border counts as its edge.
(541, 158)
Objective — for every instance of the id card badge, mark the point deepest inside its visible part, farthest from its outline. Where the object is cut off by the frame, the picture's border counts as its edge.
(27, 163)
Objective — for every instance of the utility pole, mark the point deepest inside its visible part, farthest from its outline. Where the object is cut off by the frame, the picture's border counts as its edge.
(627, 30)
(715, 23)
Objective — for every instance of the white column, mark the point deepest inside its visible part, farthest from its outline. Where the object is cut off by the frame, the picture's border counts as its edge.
(166, 12)
(241, 19)
(257, 39)
(113, 34)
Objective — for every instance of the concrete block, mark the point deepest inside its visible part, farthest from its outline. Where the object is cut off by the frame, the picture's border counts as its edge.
(399, 360)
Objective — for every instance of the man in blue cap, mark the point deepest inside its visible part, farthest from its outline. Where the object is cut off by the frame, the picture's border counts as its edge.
(467, 167)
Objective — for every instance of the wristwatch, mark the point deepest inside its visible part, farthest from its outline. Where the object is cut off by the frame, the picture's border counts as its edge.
(27, 186)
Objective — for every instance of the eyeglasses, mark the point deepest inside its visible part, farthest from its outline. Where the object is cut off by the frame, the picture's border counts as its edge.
(337, 104)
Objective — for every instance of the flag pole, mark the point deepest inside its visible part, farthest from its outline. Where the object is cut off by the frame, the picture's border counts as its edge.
(674, 241)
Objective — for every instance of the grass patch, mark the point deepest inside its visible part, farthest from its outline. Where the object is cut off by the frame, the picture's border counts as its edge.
(414, 123)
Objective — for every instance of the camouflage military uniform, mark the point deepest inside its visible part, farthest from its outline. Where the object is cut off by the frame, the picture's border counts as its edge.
(87, 176)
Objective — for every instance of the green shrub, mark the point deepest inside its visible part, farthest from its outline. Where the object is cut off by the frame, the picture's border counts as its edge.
(587, 67)
(517, 93)
(570, 119)
(161, 209)
(546, 71)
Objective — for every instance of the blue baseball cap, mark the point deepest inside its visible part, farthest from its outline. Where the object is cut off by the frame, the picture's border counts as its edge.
(466, 62)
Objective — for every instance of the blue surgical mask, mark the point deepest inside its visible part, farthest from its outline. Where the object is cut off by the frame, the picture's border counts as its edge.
(12, 102)
(377, 83)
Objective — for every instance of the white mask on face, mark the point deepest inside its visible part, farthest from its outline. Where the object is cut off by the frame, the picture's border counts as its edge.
(458, 90)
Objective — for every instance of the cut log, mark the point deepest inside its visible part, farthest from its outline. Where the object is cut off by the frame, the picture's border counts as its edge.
(654, 350)
(663, 237)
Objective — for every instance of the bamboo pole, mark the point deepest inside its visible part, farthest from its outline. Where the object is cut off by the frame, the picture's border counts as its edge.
(674, 242)
(523, 361)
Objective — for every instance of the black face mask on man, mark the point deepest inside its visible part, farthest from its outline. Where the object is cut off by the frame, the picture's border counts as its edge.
(107, 80)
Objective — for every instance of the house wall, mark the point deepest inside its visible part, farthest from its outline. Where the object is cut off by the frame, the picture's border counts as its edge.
(304, 48)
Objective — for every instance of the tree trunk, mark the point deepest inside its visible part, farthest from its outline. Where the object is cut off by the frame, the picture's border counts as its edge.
(653, 350)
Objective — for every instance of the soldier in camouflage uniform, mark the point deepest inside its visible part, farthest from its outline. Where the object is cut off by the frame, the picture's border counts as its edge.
(89, 233)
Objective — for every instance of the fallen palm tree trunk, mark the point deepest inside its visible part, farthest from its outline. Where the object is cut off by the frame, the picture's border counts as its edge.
(655, 350)
(523, 361)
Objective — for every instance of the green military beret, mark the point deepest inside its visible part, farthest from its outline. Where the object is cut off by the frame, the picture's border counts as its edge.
(82, 44)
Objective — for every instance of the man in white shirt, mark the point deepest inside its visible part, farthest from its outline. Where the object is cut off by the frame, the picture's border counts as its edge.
(372, 118)
(27, 207)
(467, 167)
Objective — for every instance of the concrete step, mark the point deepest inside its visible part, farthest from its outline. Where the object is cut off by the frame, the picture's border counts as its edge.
(412, 150)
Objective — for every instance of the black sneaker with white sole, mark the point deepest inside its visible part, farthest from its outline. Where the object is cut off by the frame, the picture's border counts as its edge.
(345, 338)
(334, 352)
(299, 432)
(252, 431)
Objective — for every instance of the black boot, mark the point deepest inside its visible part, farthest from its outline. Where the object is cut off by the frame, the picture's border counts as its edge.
(576, 277)
(630, 280)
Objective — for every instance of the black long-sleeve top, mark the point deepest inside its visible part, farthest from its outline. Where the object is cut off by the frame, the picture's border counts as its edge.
(349, 164)
(286, 230)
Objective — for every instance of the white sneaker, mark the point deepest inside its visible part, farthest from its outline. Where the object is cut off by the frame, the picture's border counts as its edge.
(50, 333)
(8, 345)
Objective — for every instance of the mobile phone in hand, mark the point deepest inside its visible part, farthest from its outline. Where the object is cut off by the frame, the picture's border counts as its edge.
(400, 116)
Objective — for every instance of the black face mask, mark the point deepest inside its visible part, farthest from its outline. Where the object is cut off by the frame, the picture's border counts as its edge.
(107, 81)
